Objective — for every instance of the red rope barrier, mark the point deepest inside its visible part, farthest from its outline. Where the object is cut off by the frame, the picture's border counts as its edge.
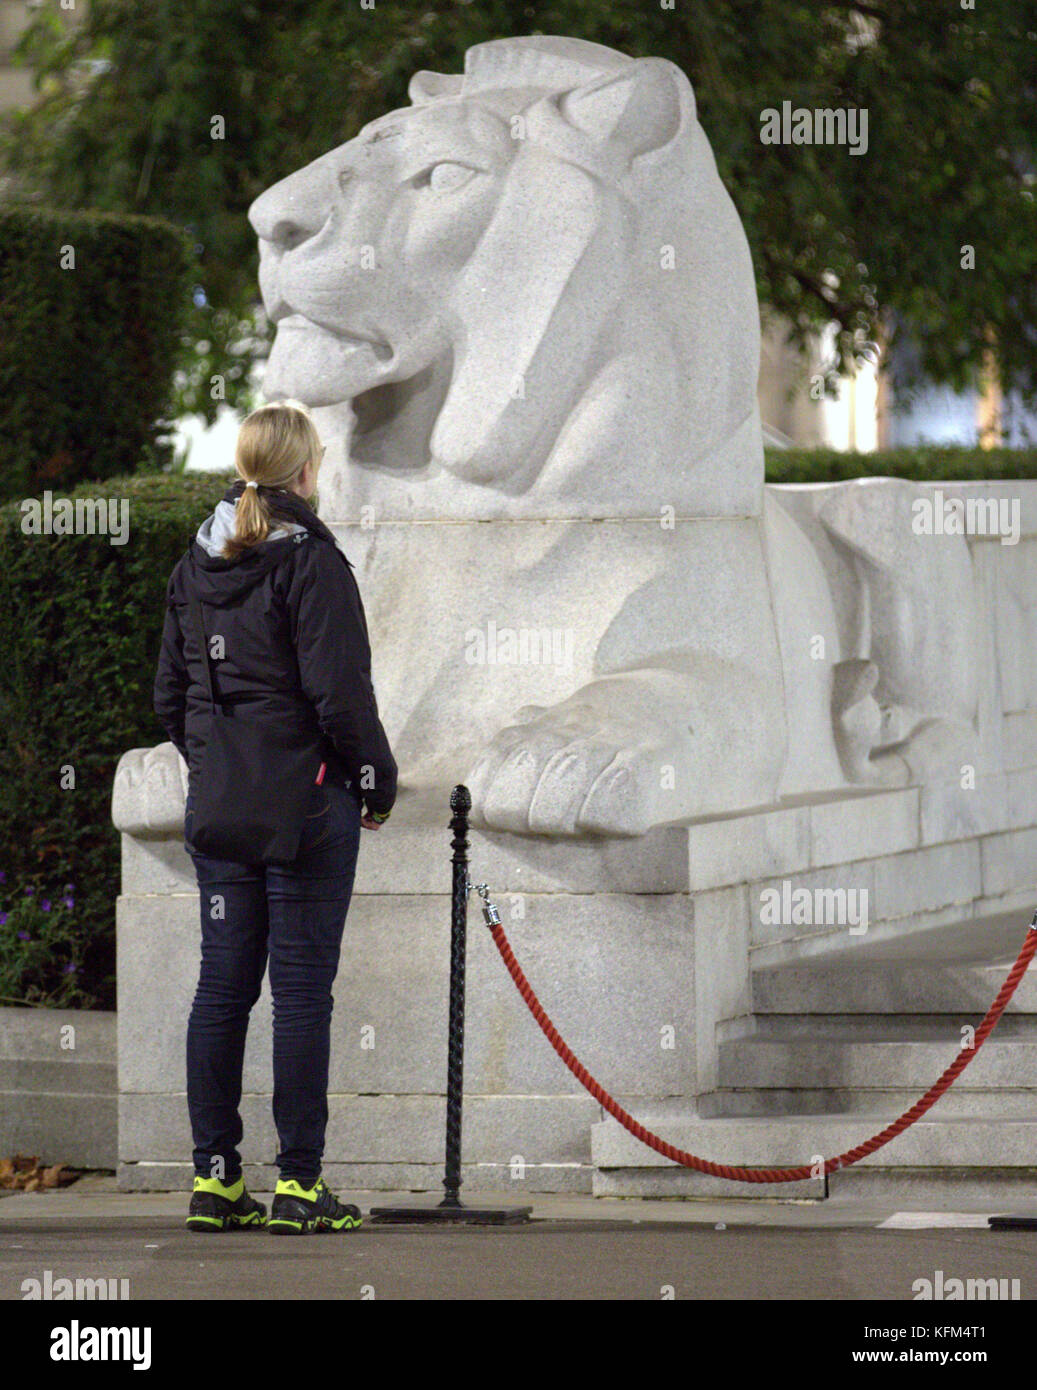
(723, 1170)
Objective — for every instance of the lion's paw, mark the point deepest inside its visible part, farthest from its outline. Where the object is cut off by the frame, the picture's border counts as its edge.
(568, 771)
(149, 791)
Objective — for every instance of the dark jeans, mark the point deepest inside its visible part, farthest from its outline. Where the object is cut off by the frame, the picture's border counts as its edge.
(292, 914)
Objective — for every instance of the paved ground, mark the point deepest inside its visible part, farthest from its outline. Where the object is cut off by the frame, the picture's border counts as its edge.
(575, 1248)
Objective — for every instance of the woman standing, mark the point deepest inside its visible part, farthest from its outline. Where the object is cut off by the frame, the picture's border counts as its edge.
(264, 685)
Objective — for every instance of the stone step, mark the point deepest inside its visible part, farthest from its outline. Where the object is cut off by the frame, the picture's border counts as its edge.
(954, 968)
(67, 1077)
(938, 1189)
(76, 1128)
(62, 1035)
(737, 1102)
(953, 1142)
(1000, 921)
(876, 1027)
(937, 1159)
(58, 1086)
(914, 988)
(1000, 1190)
(751, 1063)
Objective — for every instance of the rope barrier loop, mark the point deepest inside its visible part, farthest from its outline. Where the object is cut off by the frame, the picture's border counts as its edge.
(731, 1172)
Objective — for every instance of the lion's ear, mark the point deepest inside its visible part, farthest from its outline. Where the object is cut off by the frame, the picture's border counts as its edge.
(426, 86)
(639, 111)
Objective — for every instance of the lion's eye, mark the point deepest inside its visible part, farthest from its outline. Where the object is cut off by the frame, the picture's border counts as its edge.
(445, 177)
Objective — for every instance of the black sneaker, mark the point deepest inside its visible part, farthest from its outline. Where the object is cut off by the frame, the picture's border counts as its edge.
(297, 1210)
(219, 1206)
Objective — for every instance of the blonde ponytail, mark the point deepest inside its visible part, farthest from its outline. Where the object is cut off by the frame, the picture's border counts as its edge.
(274, 445)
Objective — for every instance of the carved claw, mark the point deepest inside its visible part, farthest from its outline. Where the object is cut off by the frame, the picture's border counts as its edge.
(149, 791)
(564, 772)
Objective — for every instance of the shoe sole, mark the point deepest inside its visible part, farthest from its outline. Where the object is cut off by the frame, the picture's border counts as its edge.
(213, 1225)
(282, 1227)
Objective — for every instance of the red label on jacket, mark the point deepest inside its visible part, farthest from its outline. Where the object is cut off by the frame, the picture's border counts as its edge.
(320, 773)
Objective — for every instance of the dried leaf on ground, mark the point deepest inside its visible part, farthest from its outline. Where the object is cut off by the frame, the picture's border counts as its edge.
(18, 1172)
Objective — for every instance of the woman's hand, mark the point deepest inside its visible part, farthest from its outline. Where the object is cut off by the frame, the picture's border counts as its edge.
(370, 824)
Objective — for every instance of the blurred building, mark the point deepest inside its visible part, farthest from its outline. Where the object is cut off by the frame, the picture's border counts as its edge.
(867, 412)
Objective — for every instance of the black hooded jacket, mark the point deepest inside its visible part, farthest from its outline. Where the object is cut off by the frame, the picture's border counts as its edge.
(294, 645)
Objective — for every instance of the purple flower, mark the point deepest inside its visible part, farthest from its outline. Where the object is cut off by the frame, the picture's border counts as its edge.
(69, 888)
(70, 902)
(24, 936)
(69, 970)
(29, 892)
(3, 876)
(45, 904)
(3, 918)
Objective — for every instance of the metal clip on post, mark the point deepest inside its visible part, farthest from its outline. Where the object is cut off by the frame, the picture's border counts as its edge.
(489, 909)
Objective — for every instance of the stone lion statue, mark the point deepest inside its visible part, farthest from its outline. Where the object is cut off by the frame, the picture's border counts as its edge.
(523, 310)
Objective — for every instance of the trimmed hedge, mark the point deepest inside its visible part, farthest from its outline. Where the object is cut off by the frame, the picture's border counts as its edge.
(87, 354)
(923, 463)
(80, 623)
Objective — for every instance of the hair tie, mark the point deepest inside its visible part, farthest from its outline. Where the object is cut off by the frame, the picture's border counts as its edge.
(252, 483)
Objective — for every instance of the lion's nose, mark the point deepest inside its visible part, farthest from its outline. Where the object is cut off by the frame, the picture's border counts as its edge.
(292, 211)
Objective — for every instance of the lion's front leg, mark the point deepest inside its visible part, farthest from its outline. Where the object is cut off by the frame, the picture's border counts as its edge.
(629, 752)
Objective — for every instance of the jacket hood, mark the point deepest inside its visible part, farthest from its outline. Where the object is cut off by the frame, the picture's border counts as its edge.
(218, 528)
(207, 574)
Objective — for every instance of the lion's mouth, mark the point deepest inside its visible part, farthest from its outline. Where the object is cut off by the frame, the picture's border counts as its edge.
(386, 423)
(297, 323)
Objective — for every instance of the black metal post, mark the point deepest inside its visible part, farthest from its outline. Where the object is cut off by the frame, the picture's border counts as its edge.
(460, 804)
(451, 1208)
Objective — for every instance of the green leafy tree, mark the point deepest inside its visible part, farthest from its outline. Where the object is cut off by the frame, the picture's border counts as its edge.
(127, 105)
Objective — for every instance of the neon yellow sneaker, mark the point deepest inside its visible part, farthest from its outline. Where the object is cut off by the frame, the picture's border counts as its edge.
(218, 1206)
(298, 1210)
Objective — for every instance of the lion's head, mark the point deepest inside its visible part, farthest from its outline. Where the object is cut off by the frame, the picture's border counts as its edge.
(465, 274)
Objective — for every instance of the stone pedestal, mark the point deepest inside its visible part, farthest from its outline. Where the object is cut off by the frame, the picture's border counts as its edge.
(605, 932)
(658, 963)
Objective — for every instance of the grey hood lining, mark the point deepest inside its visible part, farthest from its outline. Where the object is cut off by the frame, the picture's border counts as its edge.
(217, 529)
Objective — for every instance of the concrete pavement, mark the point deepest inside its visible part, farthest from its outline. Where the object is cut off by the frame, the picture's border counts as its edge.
(574, 1248)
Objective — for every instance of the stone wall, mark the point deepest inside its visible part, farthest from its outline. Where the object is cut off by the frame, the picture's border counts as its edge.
(58, 1086)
